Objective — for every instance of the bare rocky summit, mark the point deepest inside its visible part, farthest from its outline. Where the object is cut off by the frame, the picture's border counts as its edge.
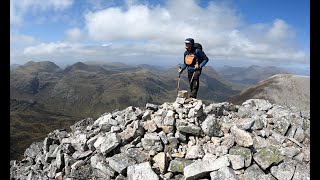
(185, 139)
(282, 89)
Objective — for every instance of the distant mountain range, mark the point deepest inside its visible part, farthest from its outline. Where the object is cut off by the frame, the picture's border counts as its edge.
(44, 96)
(283, 89)
(14, 66)
(249, 75)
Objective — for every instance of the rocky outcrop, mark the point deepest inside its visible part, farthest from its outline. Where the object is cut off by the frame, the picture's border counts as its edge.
(185, 139)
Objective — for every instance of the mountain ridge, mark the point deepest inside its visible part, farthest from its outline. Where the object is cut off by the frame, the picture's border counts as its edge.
(83, 90)
(249, 75)
(282, 89)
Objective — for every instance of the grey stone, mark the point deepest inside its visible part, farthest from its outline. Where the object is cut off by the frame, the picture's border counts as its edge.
(132, 131)
(79, 142)
(90, 143)
(59, 160)
(268, 156)
(120, 162)
(245, 152)
(163, 137)
(137, 154)
(107, 142)
(259, 142)
(83, 172)
(95, 159)
(97, 174)
(150, 126)
(190, 129)
(291, 131)
(283, 171)
(253, 172)
(259, 104)
(289, 151)
(224, 173)
(237, 161)
(82, 124)
(146, 115)
(161, 161)
(299, 157)
(121, 177)
(242, 137)
(277, 138)
(228, 141)
(282, 125)
(81, 155)
(197, 111)
(180, 100)
(211, 127)
(258, 123)
(245, 123)
(33, 150)
(301, 172)
(153, 107)
(169, 119)
(221, 150)
(178, 165)
(194, 152)
(105, 168)
(200, 168)
(141, 171)
(77, 164)
(181, 136)
(47, 142)
(151, 141)
(299, 135)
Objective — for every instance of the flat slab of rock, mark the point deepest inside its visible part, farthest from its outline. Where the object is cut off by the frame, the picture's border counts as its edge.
(268, 156)
(201, 168)
(141, 171)
(120, 162)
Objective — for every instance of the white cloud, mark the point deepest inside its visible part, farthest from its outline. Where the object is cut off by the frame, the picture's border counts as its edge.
(280, 30)
(158, 32)
(22, 39)
(217, 27)
(18, 8)
(73, 34)
(55, 48)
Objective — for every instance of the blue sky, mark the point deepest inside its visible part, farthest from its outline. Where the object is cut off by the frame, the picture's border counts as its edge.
(232, 32)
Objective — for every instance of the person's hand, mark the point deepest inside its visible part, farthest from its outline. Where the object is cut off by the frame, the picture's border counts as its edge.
(196, 66)
(180, 70)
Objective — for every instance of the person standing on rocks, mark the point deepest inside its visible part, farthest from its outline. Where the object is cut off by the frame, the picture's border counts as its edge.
(194, 60)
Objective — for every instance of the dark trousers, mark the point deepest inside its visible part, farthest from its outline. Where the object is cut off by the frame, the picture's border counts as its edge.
(194, 82)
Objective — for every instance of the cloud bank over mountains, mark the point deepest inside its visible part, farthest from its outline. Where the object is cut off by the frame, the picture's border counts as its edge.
(151, 32)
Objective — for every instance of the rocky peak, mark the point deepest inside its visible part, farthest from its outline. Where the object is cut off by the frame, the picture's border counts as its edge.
(42, 66)
(80, 66)
(185, 139)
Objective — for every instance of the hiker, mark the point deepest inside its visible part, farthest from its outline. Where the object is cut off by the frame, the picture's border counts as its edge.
(194, 60)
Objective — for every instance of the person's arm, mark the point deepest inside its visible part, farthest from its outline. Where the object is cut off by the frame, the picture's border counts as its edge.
(204, 57)
(183, 66)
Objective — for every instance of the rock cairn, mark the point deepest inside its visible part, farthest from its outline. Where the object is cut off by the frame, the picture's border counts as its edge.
(185, 139)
